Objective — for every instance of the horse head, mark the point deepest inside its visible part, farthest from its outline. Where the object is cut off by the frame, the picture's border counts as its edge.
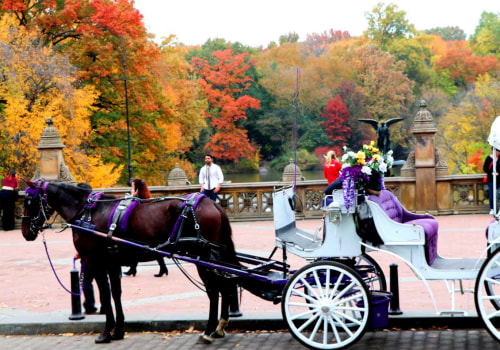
(36, 209)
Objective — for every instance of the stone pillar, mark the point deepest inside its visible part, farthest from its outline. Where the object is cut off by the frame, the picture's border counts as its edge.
(424, 130)
(52, 166)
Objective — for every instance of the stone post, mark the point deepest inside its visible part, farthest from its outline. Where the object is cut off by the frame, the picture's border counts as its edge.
(426, 165)
(52, 166)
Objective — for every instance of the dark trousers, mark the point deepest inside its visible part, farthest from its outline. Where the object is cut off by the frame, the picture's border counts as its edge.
(88, 290)
(491, 192)
(7, 206)
(335, 185)
(210, 194)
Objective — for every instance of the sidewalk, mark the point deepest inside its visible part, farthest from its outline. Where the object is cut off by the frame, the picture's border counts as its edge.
(33, 302)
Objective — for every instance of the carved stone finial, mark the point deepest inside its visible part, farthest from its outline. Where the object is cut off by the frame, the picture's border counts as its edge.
(177, 177)
(423, 121)
(290, 171)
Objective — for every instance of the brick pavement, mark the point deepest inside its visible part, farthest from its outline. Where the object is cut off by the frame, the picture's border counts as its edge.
(29, 290)
(458, 339)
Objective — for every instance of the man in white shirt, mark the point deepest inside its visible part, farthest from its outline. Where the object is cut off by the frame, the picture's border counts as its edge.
(211, 178)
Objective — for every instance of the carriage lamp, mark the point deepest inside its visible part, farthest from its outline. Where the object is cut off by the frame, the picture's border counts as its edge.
(334, 213)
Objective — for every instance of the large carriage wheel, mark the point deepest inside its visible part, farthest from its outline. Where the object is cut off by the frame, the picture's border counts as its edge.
(326, 305)
(487, 294)
(371, 272)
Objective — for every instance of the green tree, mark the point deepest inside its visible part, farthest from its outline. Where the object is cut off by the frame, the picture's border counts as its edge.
(448, 33)
(486, 38)
(387, 23)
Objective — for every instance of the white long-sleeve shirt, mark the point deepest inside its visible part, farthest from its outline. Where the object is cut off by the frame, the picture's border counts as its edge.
(215, 174)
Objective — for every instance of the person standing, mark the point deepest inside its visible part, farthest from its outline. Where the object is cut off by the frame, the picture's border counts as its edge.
(331, 170)
(141, 190)
(332, 167)
(8, 198)
(488, 169)
(210, 178)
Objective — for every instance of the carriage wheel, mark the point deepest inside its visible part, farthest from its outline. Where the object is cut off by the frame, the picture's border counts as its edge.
(487, 294)
(373, 276)
(326, 305)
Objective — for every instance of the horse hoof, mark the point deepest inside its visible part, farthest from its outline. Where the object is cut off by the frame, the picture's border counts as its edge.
(103, 339)
(204, 339)
(117, 335)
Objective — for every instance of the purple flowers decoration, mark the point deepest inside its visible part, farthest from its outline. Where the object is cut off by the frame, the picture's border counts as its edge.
(357, 168)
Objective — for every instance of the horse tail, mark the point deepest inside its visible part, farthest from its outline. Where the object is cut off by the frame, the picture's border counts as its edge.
(225, 237)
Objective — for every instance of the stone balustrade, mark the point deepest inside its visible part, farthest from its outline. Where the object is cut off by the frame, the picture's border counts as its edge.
(463, 194)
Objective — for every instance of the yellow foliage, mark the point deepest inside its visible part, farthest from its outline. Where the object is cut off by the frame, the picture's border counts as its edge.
(39, 83)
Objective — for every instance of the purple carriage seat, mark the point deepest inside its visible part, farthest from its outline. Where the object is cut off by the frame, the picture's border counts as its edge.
(393, 208)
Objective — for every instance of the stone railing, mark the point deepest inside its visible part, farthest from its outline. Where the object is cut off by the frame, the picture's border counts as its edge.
(459, 194)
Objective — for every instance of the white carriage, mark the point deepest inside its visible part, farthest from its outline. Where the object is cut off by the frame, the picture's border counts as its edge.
(327, 304)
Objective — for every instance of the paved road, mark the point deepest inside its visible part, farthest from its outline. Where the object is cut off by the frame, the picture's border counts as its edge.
(472, 339)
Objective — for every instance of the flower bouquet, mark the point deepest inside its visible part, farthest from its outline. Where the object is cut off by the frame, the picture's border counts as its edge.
(357, 167)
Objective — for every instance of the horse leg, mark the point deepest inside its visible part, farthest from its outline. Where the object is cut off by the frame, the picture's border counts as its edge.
(101, 278)
(212, 290)
(226, 299)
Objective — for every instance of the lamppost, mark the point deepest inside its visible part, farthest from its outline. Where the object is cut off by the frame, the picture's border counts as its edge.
(130, 167)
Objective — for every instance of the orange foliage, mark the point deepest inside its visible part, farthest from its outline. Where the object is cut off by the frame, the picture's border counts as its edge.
(223, 84)
(464, 67)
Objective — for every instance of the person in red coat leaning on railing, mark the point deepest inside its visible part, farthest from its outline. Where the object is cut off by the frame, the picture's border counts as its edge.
(8, 198)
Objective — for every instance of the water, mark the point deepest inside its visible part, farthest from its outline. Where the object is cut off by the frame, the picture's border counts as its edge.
(273, 175)
(270, 175)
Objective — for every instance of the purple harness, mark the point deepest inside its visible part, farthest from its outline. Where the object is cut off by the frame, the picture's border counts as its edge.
(121, 214)
(191, 202)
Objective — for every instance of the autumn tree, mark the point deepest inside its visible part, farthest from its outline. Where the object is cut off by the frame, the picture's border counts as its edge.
(448, 33)
(39, 83)
(224, 84)
(486, 38)
(462, 66)
(318, 42)
(336, 126)
(387, 23)
(464, 130)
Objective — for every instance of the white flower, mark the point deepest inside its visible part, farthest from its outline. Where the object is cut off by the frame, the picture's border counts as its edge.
(346, 165)
(366, 169)
(345, 157)
(382, 167)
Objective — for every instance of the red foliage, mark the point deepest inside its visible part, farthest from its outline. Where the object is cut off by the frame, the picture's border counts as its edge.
(336, 126)
(223, 84)
(476, 160)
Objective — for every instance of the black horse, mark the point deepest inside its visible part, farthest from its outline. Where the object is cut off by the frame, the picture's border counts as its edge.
(188, 225)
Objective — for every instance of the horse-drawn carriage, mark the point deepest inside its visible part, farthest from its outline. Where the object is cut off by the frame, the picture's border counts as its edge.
(327, 304)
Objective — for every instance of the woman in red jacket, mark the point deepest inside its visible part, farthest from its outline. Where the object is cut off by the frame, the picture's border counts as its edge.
(332, 167)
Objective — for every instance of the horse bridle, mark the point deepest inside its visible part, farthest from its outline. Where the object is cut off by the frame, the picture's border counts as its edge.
(39, 193)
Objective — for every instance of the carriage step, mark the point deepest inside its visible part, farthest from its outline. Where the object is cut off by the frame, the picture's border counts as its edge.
(453, 313)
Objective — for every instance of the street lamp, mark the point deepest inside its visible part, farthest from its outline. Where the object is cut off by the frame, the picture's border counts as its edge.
(130, 167)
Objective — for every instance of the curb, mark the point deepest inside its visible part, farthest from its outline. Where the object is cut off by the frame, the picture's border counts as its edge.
(59, 324)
